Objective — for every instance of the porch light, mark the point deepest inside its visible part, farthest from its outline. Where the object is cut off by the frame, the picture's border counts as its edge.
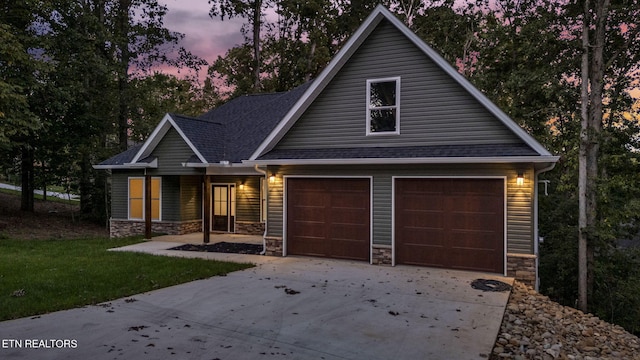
(520, 179)
(272, 178)
(241, 187)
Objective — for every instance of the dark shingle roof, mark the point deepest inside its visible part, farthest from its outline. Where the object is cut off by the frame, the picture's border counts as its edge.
(232, 131)
(491, 150)
(207, 136)
(249, 119)
(124, 157)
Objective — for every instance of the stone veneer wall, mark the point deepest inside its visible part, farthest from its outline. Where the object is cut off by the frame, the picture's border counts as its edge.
(122, 228)
(250, 228)
(522, 267)
(273, 246)
(381, 255)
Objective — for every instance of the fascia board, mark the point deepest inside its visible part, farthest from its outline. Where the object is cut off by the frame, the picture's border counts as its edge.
(321, 82)
(389, 161)
(130, 166)
(109, 167)
(153, 140)
(156, 136)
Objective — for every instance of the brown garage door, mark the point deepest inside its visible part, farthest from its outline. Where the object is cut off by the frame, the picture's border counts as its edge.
(328, 218)
(450, 223)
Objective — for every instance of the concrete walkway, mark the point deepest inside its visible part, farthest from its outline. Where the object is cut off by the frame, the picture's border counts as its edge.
(291, 308)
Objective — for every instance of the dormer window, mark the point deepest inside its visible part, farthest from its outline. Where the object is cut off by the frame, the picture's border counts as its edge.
(383, 106)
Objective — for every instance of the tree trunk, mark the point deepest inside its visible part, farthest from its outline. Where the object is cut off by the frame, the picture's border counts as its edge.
(582, 165)
(122, 35)
(591, 128)
(596, 76)
(85, 187)
(257, 14)
(26, 166)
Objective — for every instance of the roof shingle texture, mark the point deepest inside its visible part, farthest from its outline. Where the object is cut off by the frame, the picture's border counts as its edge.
(490, 150)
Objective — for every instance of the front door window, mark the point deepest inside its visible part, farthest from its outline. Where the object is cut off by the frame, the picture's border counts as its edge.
(224, 207)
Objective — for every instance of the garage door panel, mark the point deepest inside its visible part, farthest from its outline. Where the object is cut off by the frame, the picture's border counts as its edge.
(313, 246)
(474, 221)
(348, 249)
(451, 223)
(414, 219)
(339, 224)
(427, 255)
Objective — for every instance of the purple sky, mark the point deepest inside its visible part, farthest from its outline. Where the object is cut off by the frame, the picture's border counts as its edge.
(204, 36)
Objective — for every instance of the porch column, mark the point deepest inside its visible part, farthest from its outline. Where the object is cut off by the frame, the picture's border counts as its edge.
(206, 209)
(147, 207)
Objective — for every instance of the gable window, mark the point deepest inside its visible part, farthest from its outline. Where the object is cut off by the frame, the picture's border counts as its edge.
(136, 198)
(383, 106)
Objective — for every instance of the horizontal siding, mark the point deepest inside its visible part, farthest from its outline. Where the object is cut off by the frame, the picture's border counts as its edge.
(120, 193)
(248, 199)
(190, 198)
(520, 215)
(170, 198)
(435, 110)
(171, 152)
(519, 199)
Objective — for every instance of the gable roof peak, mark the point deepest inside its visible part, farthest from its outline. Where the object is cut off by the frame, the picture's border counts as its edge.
(379, 14)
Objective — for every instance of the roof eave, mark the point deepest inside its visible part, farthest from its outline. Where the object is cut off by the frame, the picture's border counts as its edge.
(388, 161)
(131, 166)
(158, 134)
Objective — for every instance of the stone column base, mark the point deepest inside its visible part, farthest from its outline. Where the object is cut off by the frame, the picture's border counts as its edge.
(273, 246)
(381, 255)
(522, 267)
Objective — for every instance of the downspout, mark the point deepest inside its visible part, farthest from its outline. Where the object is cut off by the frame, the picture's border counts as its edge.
(264, 235)
(536, 235)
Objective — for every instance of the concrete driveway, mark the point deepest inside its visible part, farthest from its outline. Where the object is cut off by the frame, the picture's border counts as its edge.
(286, 308)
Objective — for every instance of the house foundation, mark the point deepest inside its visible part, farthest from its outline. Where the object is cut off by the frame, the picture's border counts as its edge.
(273, 246)
(522, 267)
(381, 255)
(249, 228)
(123, 228)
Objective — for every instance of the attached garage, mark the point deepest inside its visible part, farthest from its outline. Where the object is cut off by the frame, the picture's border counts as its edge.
(455, 223)
(329, 217)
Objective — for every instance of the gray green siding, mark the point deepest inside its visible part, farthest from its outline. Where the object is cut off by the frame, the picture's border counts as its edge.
(519, 199)
(247, 199)
(170, 198)
(120, 193)
(171, 152)
(191, 197)
(435, 109)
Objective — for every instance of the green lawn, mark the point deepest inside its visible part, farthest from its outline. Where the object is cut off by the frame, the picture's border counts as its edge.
(37, 277)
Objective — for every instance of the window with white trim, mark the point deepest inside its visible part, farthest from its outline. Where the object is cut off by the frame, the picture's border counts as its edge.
(383, 106)
(136, 198)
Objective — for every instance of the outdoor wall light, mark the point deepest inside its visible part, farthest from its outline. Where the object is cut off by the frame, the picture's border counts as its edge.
(520, 179)
(272, 178)
(241, 187)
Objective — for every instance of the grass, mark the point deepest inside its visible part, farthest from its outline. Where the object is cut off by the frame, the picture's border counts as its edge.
(38, 277)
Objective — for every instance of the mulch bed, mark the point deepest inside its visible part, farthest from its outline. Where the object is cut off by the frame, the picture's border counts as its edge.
(222, 247)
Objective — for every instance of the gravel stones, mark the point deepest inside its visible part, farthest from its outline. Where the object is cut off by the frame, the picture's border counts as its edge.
(534, 327)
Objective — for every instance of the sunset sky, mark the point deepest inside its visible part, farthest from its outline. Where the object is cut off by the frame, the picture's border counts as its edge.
(204, 36)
